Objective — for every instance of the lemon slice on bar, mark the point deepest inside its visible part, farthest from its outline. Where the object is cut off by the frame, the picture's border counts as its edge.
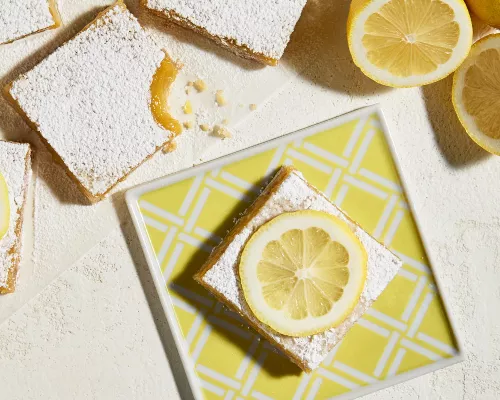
(476, 93)
(4, 207)
(303, 272)
(403, 43)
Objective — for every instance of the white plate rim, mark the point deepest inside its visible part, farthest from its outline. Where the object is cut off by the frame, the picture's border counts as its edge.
(132, 196)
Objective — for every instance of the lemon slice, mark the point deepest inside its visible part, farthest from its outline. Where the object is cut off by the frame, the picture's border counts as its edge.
(476, 93)
(4, 207)
(303, 272)
(403, 43)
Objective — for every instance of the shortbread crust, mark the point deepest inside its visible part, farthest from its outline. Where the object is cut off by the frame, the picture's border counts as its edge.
(256, 29)
(15, 166)
(20, 18)
(90, 101)
(287, 192)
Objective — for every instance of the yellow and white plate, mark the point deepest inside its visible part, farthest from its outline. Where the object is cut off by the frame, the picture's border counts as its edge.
(180, 218)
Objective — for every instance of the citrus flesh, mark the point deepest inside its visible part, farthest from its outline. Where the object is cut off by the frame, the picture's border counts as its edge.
(487, 10)
(303, 272)
(405, 43)
(4, 207)
(476, 93)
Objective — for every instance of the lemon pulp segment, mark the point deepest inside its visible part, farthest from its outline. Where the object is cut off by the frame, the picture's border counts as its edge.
(303, 272)
(409, 43)
(160, 88)
(476, 93)
(4, 207)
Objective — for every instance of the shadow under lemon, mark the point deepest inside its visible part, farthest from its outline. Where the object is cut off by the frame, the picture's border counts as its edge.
(453, 141)
(318, 50)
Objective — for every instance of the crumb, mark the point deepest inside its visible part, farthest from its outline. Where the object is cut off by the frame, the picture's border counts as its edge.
(190, 83)
(204, 127)
(200, 85)
(169, 147)
(188, 124)
(253, 107)
(221, 132)
(225, 121)
(219, 98)
(187, 107)
(186, 90)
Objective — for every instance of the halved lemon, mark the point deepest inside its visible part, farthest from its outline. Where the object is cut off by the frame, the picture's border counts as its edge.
(404, 43)
(476, 93)
(4, 207)
(303, 272)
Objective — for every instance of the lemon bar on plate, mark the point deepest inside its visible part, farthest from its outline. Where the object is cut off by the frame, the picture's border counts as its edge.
(96, 101)
(257, 29)
(20, 18)
(298, 270)
(15, 174)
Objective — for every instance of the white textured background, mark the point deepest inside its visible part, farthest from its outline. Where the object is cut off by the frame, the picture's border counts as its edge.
(97, 331)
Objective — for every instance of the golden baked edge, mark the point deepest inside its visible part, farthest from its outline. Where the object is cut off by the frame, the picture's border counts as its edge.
(16, 247)
(90, 197)
(227, 43)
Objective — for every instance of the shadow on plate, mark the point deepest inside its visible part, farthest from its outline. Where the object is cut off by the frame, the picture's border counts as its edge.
(223, 322)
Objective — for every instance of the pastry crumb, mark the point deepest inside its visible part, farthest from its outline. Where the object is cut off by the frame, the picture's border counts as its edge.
(253, 107)
(188, 124)
(204, 127)
(221, 132)
(169, 147)
(200, 85)
(190, 83)
(219, 98)
(187, 107)
(225, 121)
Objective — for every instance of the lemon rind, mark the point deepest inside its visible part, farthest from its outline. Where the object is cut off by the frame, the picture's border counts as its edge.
(464, 117)
(342, 317)
(355, 12)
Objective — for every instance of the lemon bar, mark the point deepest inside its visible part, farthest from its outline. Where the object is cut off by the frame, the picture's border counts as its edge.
(256, 29)
(15, 174)
(288, 192)
(92, 101)
(20, 18)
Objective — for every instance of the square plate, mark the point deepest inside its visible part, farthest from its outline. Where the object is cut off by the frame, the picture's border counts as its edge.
(180, 218)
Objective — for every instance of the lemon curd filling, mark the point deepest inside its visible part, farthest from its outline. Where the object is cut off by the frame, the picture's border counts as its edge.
(4, 207)
(160, 88)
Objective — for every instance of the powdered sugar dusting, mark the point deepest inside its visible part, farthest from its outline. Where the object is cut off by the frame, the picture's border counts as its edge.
(19, 18)
(261, 25)
(292, 195)
(90, 100)
(13, 168)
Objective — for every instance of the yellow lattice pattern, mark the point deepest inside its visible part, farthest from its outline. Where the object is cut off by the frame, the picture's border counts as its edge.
(407, 327)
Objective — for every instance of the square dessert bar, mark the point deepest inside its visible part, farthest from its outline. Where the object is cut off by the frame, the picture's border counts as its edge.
(20, 18)
(90, 101)
(289, 192)
(258, 29)
(15, 175)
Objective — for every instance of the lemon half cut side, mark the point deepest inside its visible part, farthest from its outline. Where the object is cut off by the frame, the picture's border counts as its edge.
(476, 93)
(403, 43)
(4, 207)
(303, 272)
